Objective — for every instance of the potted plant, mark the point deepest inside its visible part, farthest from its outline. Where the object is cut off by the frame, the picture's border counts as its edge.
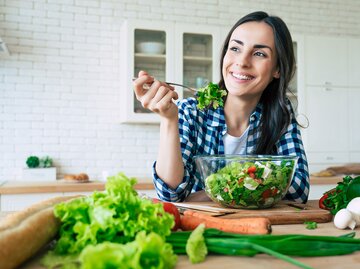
(39, 169)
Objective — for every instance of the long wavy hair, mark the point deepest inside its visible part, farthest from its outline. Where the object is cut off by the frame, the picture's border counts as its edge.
(276, 116)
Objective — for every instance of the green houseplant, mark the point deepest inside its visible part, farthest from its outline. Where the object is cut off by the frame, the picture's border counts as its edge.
(39, 169)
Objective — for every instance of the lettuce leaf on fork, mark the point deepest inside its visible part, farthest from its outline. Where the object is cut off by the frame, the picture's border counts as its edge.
(210, 95)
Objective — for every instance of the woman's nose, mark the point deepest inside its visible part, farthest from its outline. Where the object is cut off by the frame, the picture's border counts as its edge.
(244, 60)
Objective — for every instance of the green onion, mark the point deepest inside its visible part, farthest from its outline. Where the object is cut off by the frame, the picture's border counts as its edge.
(279, 246)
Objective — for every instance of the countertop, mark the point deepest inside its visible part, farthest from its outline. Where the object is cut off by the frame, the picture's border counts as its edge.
(265, 261)
(20, 187)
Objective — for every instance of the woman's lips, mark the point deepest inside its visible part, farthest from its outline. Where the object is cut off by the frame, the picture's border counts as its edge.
(242, 76)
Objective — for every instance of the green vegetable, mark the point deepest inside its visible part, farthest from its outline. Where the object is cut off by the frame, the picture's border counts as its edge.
(115, 215)
(279, 246)
(195, 245)
(211, 95)
(250, 184)
(45, 162)
(147, 251)
(353, 190)
(33, 161)
(310, 225)
(339, 197)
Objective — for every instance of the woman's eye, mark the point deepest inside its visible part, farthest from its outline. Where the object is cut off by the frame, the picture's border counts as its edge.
(234, 49)
(258, 53)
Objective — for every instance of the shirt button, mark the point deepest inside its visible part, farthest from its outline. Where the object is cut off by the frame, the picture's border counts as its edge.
(252, 118)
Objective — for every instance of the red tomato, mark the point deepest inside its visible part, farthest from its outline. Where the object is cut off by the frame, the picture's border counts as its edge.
(251, 169)
(252, 175)
(324, 197)
(266, 194)
(321, 201)
(171, 209)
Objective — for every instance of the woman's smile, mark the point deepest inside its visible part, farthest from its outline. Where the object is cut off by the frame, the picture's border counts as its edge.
(242, 77)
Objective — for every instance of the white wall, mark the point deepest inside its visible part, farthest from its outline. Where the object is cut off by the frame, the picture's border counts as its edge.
(60, 87)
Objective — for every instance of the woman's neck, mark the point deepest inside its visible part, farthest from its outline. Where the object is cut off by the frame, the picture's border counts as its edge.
(237, 112)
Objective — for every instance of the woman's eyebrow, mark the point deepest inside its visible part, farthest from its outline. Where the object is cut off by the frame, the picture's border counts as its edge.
(257, 46)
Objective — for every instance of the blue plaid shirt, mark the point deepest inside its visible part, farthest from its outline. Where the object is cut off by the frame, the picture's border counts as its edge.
(201, 132)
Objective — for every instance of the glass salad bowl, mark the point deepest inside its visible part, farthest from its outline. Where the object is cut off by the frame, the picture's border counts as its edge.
(246, 181)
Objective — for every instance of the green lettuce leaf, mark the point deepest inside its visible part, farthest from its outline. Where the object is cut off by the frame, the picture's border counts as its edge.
(211, 95)
(195, 246)
(115, 215)
(147, 251)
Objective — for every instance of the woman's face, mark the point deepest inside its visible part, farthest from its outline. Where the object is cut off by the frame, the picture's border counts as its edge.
(249, 64)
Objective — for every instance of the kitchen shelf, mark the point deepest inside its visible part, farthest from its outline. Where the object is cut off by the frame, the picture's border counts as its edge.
(152, 58)
(203, 61)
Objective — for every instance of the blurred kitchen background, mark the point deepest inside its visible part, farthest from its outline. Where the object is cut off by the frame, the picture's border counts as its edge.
(66, 68)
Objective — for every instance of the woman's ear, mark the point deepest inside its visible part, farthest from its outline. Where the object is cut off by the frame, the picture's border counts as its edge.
(276, 74)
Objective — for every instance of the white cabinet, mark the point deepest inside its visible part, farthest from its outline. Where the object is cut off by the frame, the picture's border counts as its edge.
(328, 118)
(16, 202)
(190, 57)
(198, 46)
(160, 65)
(326, 61)
(332, 92)
(354, 62)
(327, 133)
(354, 122)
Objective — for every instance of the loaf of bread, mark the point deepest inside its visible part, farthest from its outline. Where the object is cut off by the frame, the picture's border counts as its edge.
(82, 177)
(24, 233)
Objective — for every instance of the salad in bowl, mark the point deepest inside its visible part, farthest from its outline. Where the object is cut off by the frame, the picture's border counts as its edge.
(246, 181)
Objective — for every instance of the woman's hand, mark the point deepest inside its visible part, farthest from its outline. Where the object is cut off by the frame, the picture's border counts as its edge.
(158, 98)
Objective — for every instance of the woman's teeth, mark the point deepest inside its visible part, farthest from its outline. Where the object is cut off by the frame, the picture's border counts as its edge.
(242, 77)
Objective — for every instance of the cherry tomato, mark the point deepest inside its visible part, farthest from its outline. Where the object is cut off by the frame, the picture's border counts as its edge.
(251, 169)
(266, 194)
(171, 209)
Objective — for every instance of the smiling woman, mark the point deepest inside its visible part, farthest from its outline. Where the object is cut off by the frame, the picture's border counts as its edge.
(257, 63)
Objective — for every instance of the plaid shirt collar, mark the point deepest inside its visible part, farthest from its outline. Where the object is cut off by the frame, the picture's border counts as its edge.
(216, 117)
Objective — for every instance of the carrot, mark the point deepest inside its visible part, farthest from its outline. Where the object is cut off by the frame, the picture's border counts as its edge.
(255, 225)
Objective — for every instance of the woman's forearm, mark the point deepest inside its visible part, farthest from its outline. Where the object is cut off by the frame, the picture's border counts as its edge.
(169, 164)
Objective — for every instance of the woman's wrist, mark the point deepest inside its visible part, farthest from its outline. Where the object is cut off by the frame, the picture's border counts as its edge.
(169, 123)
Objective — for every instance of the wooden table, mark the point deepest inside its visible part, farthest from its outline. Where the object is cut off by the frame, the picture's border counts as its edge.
(268, 262)
(265, 261)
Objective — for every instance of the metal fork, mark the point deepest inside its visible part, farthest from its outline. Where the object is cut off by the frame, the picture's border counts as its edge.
(147, 86)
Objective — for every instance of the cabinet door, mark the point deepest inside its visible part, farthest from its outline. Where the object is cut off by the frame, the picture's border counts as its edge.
(197, 48)
(140, 51)
(327, 112)
(354, 122)
(16, 202)
(354, 62)
(326, 61)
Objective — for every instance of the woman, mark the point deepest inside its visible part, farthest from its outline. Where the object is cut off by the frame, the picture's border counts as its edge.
(257, 64)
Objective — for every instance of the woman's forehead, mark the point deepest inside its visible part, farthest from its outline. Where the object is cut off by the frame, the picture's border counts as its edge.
(254, 33)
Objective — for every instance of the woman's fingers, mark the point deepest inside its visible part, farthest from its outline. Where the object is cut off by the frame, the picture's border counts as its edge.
(155, 95)
(139, 83)
(166, 103)
(163, 99)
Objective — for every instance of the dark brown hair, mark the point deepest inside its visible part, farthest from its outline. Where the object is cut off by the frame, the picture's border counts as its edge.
(276, 116)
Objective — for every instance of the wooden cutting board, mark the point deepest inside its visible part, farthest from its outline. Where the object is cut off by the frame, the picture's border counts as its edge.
(282, 213)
